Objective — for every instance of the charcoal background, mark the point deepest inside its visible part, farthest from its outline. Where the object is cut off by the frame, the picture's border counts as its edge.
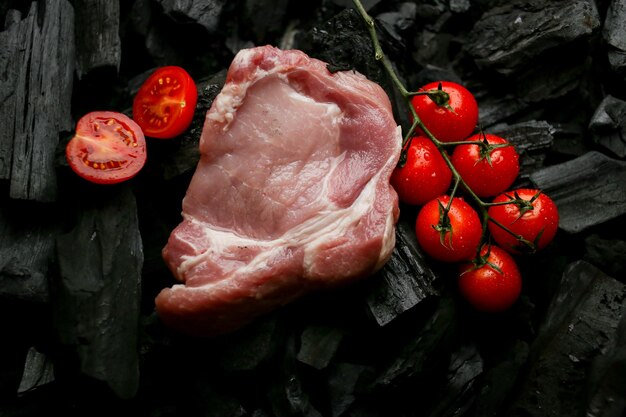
(325, 355)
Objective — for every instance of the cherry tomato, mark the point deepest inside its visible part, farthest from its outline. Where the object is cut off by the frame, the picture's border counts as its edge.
(108, 148)
(492, 286)
(424, 176)
(454, 239)
(447, 124)
(486, 171)
(535, 218)
(165, 103)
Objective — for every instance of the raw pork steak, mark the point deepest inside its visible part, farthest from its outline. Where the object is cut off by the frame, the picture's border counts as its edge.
(291, 193)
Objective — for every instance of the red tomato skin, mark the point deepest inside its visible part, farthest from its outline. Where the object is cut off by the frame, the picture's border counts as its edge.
(118, 148)
(544, 216)
(486, 180)
(158, 99)
(466, 230)
(487, 289)
(424, 176)
(444, 124)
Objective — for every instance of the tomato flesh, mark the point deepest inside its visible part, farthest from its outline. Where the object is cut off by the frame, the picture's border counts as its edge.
(108, 148)
(165, 104)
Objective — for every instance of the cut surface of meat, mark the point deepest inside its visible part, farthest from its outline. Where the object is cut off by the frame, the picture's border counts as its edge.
(291, 193)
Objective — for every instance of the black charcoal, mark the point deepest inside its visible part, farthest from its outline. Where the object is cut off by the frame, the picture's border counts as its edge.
(405, 280)
(582, 187)
(205, 13)
(607, 254)
(343, 383)
(608, 125)
(532, 140)
(264, 18)
(38, 371)
(396, 22)
(37, 57)
(511, 37)
(580, 327)
(98, 43)
(614, 33)
(97, 295)
(318, 345)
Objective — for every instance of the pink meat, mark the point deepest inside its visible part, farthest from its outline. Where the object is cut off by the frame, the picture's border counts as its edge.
(291, 193)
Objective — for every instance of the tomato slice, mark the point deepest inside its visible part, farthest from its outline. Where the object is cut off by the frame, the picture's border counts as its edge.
(108, 148)
(165, 103)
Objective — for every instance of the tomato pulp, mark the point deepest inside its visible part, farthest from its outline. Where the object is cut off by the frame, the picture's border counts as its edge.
(165, 104)
(108, 148)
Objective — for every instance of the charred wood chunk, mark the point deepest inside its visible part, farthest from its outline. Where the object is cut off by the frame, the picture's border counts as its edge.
(98, 43)
(582, 187)
(608, 125)
(532, 140)
(318, 345)
(405, 280)
(38, 371)
(614, 33)
(580, 327)
(36, 57)
(510, 37)
(96, 300)
(607, 254)
(204, 13)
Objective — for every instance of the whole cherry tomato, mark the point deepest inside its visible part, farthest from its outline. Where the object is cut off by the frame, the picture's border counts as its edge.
(448, 122)
(530, 214)
(492, 285)
(450, 237)
(108, 148)
(487, 170)
(165, 103)
(424, 176)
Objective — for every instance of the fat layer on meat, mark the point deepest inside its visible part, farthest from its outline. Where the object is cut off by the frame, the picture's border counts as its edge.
(291, 193)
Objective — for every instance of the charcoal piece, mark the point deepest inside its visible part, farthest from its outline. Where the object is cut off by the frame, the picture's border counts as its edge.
(570, 139)
(532, 140)
(497, 108)
(27, 242)
(608, 125)
(264, 18)
(580, 327)
(318, 345)
(97, 295)
(582, 187)
(99, 44)
(459, 6)
(464, 371)
(38, 371)
(511, 37)
(396, 22)
(607, 379)
(286, 392)
(37, 56)
(205, 13)
(498, 382)
(614, 33)
(404, 281)
(367, 4)
(343, 382)
(431, 48)
(251, 347)
(424, 351)
(607, 254)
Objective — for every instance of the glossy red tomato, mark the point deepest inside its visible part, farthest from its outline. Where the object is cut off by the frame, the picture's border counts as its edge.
(165, 103)
(536, 220)
(451, 124)
(456, 239)
(108, 148)
(487, 172)
(493, 286)
(424, 176)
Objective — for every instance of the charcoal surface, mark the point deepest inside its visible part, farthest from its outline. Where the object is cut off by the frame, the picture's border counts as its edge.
(204, 13)
(38, 371)
(608, 125)
(615, 34)
(582, 187)
(96, 300)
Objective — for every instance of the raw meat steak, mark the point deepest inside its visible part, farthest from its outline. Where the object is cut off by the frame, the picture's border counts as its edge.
(291, 193)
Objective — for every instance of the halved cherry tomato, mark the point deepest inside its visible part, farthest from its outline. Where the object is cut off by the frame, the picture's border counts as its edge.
(108, 148)
(165, 103)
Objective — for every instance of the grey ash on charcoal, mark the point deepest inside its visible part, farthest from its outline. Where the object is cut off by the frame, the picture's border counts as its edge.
(80, 265)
